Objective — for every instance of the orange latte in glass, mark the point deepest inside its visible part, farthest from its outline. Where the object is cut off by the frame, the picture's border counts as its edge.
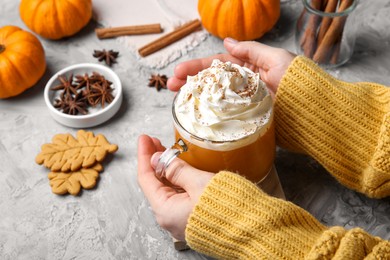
(224, 115)
(253, 160)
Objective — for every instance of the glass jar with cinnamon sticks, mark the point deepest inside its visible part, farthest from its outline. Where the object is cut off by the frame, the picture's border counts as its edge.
(326, 31)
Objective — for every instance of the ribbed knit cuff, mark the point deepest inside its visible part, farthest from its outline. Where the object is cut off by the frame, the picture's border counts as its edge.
(235, 219)
(344, 126)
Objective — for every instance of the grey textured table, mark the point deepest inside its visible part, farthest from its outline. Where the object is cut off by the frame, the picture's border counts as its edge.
(114, 221)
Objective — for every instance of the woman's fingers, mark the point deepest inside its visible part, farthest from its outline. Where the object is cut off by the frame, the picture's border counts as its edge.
(255, 53)
(146, 175)
(174, 84)
(157, 144)
(269, 61)
(192, 180)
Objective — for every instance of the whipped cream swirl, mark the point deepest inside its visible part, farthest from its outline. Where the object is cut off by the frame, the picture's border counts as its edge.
(224, 102)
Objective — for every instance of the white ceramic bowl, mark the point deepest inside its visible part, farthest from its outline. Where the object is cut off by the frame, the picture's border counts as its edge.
(95, 116)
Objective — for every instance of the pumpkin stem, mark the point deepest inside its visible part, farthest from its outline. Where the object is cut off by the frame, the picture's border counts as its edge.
(2, 48)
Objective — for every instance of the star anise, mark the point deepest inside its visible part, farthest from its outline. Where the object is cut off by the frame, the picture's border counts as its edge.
(66, 85)
(108, 56)
(72, 105)
(101, 93)
(83, 81)
(81, 91)
(97, 77)
(158, 81)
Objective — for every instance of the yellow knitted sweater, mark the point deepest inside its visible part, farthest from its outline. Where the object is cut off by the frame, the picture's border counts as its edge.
(346, 127)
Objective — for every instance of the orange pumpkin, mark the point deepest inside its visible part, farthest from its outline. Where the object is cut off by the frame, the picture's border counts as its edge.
(22, 61)
(55, 19)
(239, 19)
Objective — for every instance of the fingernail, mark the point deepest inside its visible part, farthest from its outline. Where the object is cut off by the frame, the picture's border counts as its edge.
(154, 159)
(231, 40)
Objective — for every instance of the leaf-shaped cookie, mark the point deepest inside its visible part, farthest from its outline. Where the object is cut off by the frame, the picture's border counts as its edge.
(62, 183)
(66, 153)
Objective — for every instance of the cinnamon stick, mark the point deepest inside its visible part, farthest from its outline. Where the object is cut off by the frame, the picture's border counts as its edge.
(334, 31)
(308, 40)
(170, 38)
(336, 51)
(103, 33)
(330, 8)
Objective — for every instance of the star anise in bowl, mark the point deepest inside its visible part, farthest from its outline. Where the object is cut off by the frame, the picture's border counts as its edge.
(83, 95)
(66, 84)
(101, 93)
(82, 90)
(72, 105)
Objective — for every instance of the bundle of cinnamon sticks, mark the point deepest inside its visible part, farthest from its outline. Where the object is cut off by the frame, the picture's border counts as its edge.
(156, 45)
(321, 39)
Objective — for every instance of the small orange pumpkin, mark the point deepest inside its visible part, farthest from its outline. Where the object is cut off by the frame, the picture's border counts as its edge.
(22, 61)
(55, 19)
(239, 19)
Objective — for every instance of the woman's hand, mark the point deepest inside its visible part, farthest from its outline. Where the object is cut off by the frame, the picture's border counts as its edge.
(270, 62)
(171, 208)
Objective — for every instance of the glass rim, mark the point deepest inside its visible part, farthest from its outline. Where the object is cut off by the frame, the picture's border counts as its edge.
(346, 12)
(176, 120)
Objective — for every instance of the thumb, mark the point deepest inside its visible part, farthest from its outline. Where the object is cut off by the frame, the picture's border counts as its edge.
(181, 174)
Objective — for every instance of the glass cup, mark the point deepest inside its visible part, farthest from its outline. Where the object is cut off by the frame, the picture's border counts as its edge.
(251, 156)
(326, 33)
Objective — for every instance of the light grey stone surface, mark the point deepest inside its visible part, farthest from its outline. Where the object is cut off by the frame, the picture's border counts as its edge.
(114, 221)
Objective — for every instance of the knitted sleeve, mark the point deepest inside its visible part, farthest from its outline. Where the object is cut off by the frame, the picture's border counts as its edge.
(234, 219)
(344, 126)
